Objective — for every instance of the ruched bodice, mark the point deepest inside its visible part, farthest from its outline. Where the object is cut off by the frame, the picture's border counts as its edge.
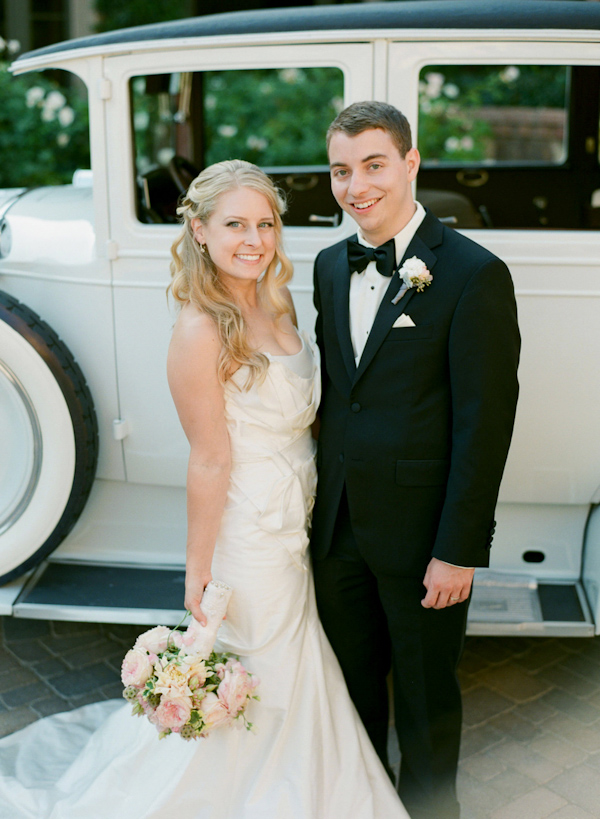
(275, 412)
(272, 449)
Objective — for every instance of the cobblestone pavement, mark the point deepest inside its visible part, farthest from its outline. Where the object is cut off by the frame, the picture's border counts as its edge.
(531, 742)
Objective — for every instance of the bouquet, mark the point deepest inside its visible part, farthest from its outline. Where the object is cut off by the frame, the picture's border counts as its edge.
(175, 679)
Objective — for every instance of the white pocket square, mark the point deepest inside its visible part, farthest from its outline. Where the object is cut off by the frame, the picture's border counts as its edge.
(404, 321)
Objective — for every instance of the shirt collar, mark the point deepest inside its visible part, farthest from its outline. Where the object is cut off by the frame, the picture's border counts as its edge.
(404, 237)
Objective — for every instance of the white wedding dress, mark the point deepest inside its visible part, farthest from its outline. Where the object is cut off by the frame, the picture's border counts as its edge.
(310, 757)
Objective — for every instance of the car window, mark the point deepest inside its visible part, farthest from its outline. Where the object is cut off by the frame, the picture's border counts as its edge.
(493, 115)
(276, 118)
(510, 146)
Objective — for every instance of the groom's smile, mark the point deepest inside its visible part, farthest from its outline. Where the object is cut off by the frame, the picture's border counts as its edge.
(364, 205)
(372, 182)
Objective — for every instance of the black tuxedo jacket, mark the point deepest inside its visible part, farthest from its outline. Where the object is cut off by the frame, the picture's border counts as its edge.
(420, 431)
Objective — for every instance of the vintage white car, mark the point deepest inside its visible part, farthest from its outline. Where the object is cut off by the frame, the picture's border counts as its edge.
(504, 98)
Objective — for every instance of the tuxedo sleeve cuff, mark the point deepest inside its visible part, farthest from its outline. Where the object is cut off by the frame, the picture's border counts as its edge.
(456, 565)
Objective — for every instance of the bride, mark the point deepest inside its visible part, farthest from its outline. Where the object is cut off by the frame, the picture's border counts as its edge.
(246, 387)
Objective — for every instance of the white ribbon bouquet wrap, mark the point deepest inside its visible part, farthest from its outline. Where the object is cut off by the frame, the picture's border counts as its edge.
(214, 604)
(180, 684)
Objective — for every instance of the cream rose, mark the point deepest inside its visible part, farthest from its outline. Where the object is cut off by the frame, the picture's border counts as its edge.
(195, 670)
(171, 681)
(155, 640)
(214, 711)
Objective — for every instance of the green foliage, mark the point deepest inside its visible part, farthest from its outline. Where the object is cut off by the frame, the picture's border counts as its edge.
(271, 117)
(451, 125)
(44, 134)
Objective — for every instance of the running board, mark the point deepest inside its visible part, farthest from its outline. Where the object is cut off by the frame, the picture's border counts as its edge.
(103, 594)
(505, 604)
(502, 604)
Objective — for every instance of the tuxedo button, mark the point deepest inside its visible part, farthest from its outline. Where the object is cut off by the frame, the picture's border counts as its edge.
(341, 459)
(355, 407)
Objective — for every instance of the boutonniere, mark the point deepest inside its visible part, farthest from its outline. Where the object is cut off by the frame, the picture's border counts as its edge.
(413, 273)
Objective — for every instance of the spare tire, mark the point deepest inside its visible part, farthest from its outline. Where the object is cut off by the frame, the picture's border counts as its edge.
(48, 439)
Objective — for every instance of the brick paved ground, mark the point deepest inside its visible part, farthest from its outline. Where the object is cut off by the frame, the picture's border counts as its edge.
(531, 744)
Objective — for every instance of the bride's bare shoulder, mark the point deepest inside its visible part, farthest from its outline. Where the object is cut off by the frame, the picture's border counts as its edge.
(195, 327)
(195, 342)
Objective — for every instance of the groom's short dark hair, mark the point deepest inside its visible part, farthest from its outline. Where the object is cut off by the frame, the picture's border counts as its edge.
(362, 116)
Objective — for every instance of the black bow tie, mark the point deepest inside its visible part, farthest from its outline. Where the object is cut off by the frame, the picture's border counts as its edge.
(384, 257)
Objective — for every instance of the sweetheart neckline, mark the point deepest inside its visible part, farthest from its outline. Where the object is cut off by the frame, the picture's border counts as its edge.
(287, 355)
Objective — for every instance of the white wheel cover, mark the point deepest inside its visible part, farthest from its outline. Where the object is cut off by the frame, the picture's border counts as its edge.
(37, 460)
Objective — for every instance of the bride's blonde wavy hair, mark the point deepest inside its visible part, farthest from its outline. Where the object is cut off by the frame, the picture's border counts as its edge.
(194, 276)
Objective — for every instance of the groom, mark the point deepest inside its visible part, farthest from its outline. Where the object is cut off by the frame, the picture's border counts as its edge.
(419, 396)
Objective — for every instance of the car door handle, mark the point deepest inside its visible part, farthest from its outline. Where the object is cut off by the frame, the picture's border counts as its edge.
(472, 178)
(325, 220)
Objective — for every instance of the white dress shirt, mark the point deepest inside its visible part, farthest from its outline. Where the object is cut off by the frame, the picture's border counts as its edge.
(367, 289)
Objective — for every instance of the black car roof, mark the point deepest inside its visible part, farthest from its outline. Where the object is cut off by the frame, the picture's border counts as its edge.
(421, 14)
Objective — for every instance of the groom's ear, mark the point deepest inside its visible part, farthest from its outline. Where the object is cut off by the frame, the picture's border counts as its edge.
(413, 162)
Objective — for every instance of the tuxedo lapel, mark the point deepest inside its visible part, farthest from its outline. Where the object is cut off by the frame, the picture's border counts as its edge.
(427, 236)
(341, 306)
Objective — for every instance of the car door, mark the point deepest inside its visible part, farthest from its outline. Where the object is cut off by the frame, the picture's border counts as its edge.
(508, 131)
(189, 107)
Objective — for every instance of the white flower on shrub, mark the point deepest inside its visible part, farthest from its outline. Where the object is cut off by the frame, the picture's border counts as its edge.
(210, 102)
(34, 95)
(452, 144)
(291, 75)
(66, 116)
(2, 43)
(434, 84)
(510, 73)
(165, 155)
(227, 130)
(141, 120)
(48, 114)
(63, 139)
(55, 100)
(337, 104)
(451, 90)
(467, 143)
(265, 88)
(13, 46)
(256, 143)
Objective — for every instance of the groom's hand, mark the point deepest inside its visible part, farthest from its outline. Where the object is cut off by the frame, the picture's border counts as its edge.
(446, 585)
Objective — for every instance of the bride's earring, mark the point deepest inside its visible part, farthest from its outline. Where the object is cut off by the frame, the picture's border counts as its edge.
(204, 249)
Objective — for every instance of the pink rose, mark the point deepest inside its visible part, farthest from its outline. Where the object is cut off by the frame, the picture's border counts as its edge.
(136, 667)
(155, 640)
(235, 688)
(214, 711)
(173, 712)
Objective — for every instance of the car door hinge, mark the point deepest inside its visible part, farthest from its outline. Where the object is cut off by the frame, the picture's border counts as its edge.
(121, 429)
(104, 89)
